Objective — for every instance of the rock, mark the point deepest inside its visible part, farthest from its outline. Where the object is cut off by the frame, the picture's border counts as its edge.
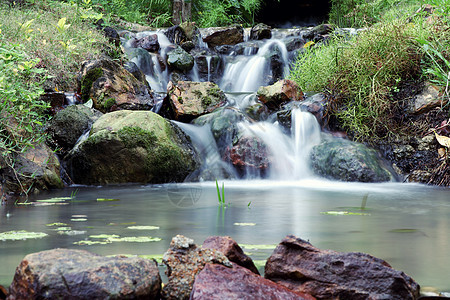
(208, 63)
(135, 70)
(219, 282)
(281, 92)
(176, 35)
(315, 104)
(149, 43)
(132, 146)
(3, 292)
(223, 122)
(180, 60)
(56, 100)
(319, 30)
(111, 87)
(79, 274)
(328, 274)
(188, 100)
(231, 250)
(247, 48)
(37, 168)
(218, 36)
(144, 60)
(112, 35)
(260, 31)
(184, 260)
(277, 64)
(294, 43)
(430, 98)
(67, 126)
(258, 112)
(348, 161)
(249, 156)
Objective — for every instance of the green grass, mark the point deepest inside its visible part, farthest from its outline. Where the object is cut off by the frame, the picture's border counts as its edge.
(362, 75)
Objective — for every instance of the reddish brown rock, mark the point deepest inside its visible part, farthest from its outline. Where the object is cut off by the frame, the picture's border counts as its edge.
(232, 251)
(217, 36)
(328, 274)
(281, 92)
(184, 260)
(219, 282)
(79, 274)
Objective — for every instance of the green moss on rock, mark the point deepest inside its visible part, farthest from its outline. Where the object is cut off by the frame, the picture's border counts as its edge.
(87, 81)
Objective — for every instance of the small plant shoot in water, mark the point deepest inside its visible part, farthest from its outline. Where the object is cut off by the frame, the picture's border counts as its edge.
(220, 198)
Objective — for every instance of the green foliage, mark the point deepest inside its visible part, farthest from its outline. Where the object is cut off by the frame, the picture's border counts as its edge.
(210, 13)
(220, 198)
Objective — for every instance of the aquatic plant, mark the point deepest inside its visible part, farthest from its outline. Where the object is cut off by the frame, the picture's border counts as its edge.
(21, 235)
(220, 198)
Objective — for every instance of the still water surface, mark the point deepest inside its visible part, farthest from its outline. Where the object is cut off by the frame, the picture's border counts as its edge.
(408, 225)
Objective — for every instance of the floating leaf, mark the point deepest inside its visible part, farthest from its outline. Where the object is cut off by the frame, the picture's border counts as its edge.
(21, 235)
(87, 242)
(104, 236)
(403, 230)
(106, 200)
(54, 200)
(63, 228)
(79, 216)
(56, 224)
(143, 227)
(71, 232)
(344, 213)
(258, 247)
(136, 239)
(79, 220)
(244, 224)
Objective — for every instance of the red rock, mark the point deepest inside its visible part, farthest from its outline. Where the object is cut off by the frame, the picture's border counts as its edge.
(231, 250)
(281, 92)
(328, 274)
(219, 282)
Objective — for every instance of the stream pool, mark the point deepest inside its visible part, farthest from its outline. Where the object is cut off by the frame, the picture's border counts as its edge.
(408, 225)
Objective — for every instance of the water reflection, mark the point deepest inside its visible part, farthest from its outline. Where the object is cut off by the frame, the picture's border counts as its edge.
(408, 225)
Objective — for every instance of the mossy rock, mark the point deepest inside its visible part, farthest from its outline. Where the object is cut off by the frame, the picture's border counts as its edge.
(112, 87)
(133, 146)
(180, 60)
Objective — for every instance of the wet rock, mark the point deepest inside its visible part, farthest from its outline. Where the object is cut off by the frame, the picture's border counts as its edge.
(208, 63)
(217, 36)
(112, 35)
(56, 100)
(69, 124)
(135, 70)
(328, 274)
(180, 60)
(79, 274)
(320, 30)
(219, 282)
(277, 64)
(260, 31)
(247, 48)
(111, 87)
(231, 250)
(176, 35)
(3, 292)
(144, 60)
(184, 260)
(283, 91)
(315, 104)
(38, 170)
(188, 100)
(258, 112)
(223, 122)
(430, 98)
(132, 146)
(249, 156)
(294, 43)
(149, 43)
(348, 161)
(224, 49)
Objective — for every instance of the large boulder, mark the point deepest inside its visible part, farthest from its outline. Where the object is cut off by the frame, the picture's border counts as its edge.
(218, 36)
(67, 126)
(37, 169)
(232, 251)
(79, 274)
(184, 260)
(149, 43)
(180, 60)
(348, 161)
(219, 282)
(132, 146)
(328, 274)
(281, 92)
(112, 87)
(188, 100)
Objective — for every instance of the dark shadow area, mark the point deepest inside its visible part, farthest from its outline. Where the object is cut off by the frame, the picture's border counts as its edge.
(289, 13)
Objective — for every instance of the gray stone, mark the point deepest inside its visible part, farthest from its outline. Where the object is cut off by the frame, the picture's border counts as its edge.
(218, 36)
(180, 60)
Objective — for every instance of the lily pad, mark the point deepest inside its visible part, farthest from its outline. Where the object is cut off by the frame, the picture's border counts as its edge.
(63, 228)
(78, 220)
(104, 236)
(71, 232)
(244, 224)
(344, 213)
(21, 235)
(143, 227)
(135, 239)
(88, 242)
(106, 200)
(56, 224)
(258, 247)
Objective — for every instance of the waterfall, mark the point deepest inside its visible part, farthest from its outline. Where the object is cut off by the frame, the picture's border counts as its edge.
(247, 67)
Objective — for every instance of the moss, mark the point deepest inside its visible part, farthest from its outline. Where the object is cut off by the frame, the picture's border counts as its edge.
(197, 93)
(109, 103)
(206, 101)
(87, 81)
(133, 137)
(180, 99)
(215, 92)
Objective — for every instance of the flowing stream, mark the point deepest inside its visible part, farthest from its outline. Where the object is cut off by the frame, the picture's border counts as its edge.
(406, 224)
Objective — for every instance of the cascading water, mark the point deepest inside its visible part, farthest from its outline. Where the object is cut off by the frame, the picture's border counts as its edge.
(243, 72)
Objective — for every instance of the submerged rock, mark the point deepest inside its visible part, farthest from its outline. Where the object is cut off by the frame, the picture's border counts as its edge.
(184, 260)
(348, 161)
(111, 87)
(231, 250)
(132, 146)
(219, 282)
(79, 274)
(188, 100)
(67, 126)
(328, 274)
(281, 92)
(218, 36)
